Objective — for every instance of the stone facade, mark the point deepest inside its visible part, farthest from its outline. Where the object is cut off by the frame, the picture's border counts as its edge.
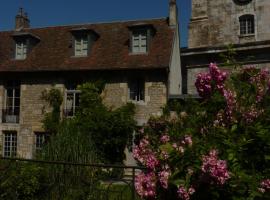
(214, 25)
(216, 22)
(116, 94)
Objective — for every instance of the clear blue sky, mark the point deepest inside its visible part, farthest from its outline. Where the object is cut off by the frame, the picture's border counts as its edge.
(63, 12)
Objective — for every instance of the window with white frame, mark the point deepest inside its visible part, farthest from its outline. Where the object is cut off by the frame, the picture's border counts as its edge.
(12, 102)
(81, 45)
(136, 90)
(139, 41)
(10, 144)
(247, 25)
(72, 98)
(41, 138)
(21, 50)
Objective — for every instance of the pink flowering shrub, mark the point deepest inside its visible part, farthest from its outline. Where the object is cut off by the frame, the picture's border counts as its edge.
(214, 148)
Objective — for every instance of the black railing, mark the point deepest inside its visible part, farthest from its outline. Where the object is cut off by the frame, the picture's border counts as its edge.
(10, 117)
(95, 181)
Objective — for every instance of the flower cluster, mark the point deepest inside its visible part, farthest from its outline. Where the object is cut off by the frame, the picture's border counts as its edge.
(218, 76)
(265, 186)
(185, 194)
(165, 138)
(260, 80)
(187, 140)
(145, 184)
(215, 168)
(203, 84)
(251, 114)
(145, 155)
(164, 177)
(204, 81)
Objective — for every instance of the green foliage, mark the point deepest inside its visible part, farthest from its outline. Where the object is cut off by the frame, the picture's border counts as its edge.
(21, 181)
(95, 129)
(55, 98)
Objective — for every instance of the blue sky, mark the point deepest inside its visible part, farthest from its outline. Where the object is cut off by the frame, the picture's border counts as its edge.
(63, 12)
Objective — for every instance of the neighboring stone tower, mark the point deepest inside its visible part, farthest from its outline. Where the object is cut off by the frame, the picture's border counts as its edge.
(219, 22)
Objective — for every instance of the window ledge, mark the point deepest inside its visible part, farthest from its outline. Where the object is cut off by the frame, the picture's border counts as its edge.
(137, 54)
(141, 103)
(247, 35)
(79, 56)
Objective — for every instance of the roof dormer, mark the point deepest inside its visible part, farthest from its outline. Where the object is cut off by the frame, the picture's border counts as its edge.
(83, 40)
(140, 38)
(24, 42)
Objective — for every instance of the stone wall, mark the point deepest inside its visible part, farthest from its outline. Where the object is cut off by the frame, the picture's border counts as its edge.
(216, 22)
(33, 108)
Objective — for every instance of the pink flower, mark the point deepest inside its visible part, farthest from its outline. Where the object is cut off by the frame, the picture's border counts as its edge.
(265, 186)
(164, 155)
(164, 177)
(203, 84)
(215, 168)
(145, 184)
(165, 138)
(185, 194)
(188, 140)
(144, 154)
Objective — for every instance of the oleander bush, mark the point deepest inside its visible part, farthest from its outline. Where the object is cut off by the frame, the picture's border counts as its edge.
(217, 147)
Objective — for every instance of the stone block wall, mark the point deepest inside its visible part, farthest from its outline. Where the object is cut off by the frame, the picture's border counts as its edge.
(215, 23)
(33, 107)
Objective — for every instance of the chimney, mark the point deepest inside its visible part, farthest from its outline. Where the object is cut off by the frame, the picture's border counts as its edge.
(21, 20)
(173, 13)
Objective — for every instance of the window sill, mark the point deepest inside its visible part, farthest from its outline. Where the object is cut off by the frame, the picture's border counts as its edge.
(137, 54)
(140, 103)
(79, 56)
(247, 35)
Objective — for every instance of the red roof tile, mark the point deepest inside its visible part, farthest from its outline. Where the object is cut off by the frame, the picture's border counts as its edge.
(109, 52)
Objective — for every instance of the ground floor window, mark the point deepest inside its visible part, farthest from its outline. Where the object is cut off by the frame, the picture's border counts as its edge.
(41, 138)
(10, 144)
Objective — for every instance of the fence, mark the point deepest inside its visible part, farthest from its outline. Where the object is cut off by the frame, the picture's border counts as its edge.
(50, 180)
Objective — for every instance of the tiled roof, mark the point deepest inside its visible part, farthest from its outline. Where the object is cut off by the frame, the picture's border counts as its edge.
(109, 52)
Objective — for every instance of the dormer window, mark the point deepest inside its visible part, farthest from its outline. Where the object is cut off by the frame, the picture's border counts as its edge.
(21, 50)
(247, 25)
(24, 43)
(83, 40)
(81, 45)
(140, 38)
(139, 41)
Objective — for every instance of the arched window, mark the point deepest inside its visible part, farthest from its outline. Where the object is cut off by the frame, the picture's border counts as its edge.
(247, 25)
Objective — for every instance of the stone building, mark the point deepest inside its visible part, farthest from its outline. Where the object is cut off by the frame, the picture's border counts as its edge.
(139, 61)
(215, 24)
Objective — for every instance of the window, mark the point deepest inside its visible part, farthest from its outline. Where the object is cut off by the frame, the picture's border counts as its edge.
(136, 90)
(139, 41)
(72, 99)
(41, 138)
(247, 24)
(10, 144)
(81, 45)
(12, 102)
(21, 50)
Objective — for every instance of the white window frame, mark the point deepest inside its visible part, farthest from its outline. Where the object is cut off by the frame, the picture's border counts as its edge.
(74, 94)
(21, 50)
(81, 45)
(11, 114)
(139, 41)
(10, 144)
(247, 24)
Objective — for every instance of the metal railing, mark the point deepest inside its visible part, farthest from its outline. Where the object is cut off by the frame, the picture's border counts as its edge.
(10, 117)
(99, 181)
